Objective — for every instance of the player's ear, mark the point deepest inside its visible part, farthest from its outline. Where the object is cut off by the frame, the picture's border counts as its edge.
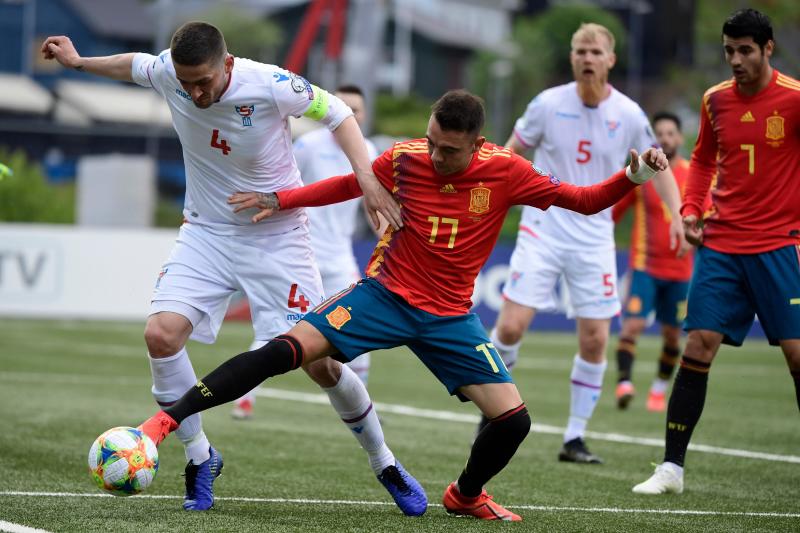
(612, 60)
(769, 47)
(478, 143)
(228, 63)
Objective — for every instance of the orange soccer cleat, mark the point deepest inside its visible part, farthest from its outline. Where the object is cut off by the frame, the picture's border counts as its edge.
(158, 426)
(242, 409)
(482, 506)
(656, 402)
(625, 393)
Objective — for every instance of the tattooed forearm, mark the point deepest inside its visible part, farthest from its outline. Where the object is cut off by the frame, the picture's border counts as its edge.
(268, 200)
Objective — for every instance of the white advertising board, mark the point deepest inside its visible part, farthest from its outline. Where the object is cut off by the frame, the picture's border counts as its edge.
(62, 271)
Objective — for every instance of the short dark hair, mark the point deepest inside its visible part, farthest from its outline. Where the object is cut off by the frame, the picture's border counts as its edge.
(666, 115)
(749, 23)
(350, 89)
(459, 110)
(197, 43)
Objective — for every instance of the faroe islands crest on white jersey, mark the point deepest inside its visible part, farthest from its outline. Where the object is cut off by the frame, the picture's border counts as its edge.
(242, 142)
(581, 145)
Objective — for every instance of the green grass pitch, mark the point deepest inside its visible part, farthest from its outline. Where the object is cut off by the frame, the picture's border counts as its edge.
(294, 467)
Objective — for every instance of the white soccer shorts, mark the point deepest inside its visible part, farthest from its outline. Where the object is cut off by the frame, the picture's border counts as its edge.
(277, 273)
(338, 274)
(590, 279)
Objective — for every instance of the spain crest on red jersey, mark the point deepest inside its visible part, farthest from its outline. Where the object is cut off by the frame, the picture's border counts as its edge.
(775, 127)
(479, 200)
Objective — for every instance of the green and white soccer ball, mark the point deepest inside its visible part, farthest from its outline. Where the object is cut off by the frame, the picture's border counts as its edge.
(123, 461)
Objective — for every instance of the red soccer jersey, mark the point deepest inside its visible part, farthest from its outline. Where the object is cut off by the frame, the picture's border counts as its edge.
(753, 142)
(650, 249)
(451, 223)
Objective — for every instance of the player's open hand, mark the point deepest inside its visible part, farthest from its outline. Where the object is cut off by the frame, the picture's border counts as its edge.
(266, 202)
(62, 50)
(694, 233)
(378, 200)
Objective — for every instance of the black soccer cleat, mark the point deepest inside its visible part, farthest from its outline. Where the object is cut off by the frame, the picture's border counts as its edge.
(575, 451)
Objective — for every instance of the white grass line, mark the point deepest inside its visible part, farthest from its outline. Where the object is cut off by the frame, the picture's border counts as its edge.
(11, 527)
(314, 501)
(449, 416)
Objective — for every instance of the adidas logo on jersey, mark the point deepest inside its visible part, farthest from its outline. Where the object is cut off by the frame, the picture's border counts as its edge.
(448, 189)
(747, 117)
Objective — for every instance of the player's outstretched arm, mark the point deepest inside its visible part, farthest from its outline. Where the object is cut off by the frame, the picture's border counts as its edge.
(376, 198)
(593, 199)
(61, 49)
(330, 191)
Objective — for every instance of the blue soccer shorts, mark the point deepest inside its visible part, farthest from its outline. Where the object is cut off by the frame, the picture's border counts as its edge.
(647, 292)
(366, 317)
(728, 290)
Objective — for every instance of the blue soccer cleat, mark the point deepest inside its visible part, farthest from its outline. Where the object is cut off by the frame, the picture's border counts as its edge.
(408, 494)
(200, 482)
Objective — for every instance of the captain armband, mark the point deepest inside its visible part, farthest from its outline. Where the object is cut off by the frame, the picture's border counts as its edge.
(319, 105)
(644, 173)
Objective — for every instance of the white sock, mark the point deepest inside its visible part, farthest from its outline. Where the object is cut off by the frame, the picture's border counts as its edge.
(251, 396)
(360, 365)
(172, 377)
(509, 352)
(350, 400)
(659, 385)
(586, 384)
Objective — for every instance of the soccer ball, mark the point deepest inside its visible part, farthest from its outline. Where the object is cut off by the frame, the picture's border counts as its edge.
(123, 461)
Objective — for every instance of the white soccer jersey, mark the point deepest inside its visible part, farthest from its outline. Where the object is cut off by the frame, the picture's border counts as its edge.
(242, 142)
(319, 157)
(581, 145)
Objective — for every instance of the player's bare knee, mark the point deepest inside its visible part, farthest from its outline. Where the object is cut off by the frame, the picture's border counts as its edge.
(510, 331)
(671, 336)
(791, 351)
(702, 345)
(161, 342)
(632, 328)
(593, 346)
(324, 372)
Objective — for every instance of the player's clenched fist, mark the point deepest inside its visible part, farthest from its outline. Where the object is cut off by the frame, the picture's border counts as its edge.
(62, 50)
(643, 167)
(652, 157)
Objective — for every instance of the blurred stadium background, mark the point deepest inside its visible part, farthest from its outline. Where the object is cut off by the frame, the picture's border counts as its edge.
(97, 156)
(94, 202)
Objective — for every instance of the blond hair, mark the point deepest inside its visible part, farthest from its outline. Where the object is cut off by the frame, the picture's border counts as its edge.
(590, 31)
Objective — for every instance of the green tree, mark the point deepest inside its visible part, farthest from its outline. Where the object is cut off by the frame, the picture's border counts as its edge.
(709, 57)
(401, 117)
(247, 35)
(26, 196)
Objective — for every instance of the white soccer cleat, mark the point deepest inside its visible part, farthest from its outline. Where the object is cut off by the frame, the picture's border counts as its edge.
(668, 478)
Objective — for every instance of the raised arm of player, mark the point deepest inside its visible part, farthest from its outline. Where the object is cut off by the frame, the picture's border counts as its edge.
(325, 192)
(376, 198)
(595, 198)
(61, 49)
(542, 191)
(701, 172)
